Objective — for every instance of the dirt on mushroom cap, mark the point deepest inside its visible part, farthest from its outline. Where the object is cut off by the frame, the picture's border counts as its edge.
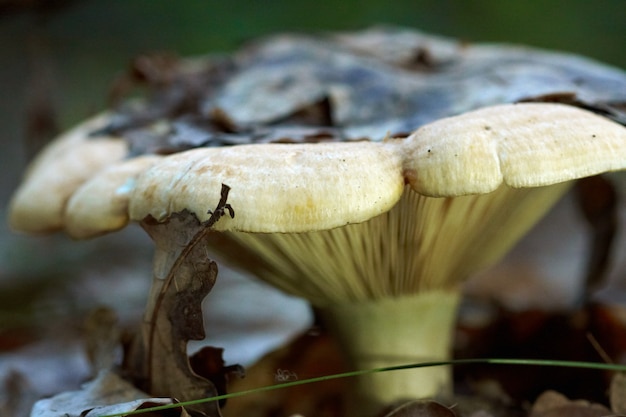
(357, 91)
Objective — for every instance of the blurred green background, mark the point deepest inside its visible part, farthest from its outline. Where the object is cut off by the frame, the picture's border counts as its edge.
(64, 58)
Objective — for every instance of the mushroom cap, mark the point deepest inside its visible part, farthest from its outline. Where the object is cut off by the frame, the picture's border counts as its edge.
(521, 145)
(39, 203)
(378, 81)
(275, 187)
(306, 187)
(387, 80)
(88, 213)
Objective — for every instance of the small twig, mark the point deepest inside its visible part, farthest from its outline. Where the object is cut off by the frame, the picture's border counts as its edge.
(221, 208)
(598, 348)
(217, 214)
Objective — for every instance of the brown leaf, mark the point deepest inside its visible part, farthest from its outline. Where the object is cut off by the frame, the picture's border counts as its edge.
(106, 394)
(553, 404)
(208, 363)
(381, 82)
(183, 276)
(283, 75)
(617, 393)
(175, 315)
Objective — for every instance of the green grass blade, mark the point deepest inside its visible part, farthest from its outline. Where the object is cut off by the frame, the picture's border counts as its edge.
(492, 361)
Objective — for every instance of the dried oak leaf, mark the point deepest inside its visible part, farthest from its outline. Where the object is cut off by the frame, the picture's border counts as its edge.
(106, 394)
(377, 83)
(174, 316)
(554, 404)
(183, 277)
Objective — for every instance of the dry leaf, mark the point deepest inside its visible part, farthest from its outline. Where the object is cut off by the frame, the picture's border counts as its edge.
(617, 393)
(137, 405)
(183, 276)
(108, 393)
(370, 84)
(175, 315)
(553, 404)
(208, 363)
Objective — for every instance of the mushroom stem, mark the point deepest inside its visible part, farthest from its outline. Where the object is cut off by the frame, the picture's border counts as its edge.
(380, 333)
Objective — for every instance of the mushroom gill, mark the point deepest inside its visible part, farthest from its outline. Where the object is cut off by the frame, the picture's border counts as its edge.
(388, 287)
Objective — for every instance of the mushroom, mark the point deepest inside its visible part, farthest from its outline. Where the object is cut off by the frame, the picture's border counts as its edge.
(379, 236)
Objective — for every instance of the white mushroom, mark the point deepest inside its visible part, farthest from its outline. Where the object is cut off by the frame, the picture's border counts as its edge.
(383, 261)
(378, 236)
